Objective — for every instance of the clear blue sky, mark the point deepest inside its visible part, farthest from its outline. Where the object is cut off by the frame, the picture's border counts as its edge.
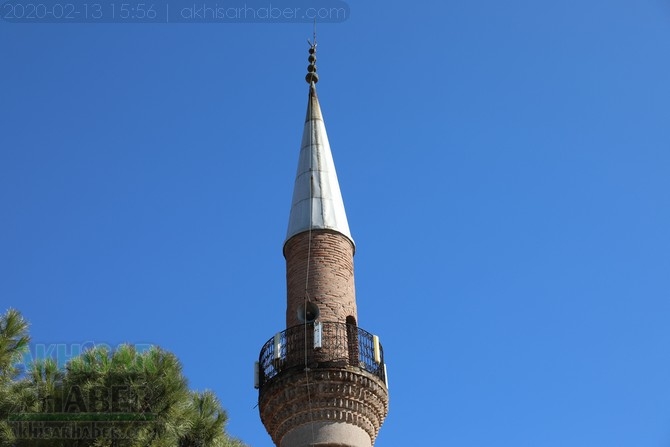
(505, 168)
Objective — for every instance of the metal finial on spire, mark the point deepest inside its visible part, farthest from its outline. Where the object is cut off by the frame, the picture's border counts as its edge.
(312, 77)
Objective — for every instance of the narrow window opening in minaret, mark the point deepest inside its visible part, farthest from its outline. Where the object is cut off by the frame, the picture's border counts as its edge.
(352, 340)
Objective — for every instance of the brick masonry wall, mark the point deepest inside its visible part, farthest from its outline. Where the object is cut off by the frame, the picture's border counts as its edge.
(298, 398)
(331, 275)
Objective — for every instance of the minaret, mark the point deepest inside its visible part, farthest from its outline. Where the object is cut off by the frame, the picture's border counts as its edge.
(322, 381)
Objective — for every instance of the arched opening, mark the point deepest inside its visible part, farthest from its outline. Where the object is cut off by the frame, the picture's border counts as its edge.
(352, 340)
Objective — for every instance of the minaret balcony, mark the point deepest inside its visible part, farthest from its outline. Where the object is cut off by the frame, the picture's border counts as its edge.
(321, 345)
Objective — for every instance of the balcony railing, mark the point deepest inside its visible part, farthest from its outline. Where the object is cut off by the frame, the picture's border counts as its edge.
(321, 345)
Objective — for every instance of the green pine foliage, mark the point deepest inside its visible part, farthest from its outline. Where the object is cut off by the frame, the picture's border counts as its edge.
(122, 398)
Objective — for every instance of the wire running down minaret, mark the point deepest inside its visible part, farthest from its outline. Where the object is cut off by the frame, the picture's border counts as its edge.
(323, 380)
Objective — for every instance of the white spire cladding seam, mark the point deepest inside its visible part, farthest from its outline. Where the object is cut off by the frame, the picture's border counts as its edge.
(316, 188)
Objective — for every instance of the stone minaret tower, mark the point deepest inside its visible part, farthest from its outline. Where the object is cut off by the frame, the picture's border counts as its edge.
(322, 381)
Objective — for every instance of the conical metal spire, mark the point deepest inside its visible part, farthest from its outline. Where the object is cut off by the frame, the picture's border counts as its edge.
(317, 201)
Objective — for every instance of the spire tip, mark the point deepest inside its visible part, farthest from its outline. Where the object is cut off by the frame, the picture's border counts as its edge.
(312, 77)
